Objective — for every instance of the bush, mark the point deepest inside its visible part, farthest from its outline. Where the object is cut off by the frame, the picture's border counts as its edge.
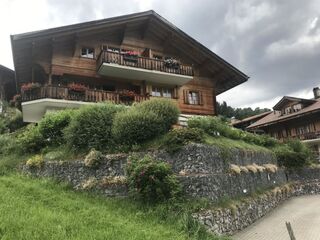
(291, 159)
(7, 143)
(179, 137)
(294, 154)
(93, 158)
(151, 180)
(35, 161)
(30, 140)
(91, 126)
(214, 126)
(165, 109)
(135, 127)
(52, 125)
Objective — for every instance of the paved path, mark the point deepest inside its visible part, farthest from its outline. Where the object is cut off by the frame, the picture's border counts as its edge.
(302, 212)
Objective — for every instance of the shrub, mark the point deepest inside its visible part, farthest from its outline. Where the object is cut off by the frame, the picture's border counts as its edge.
(294, 154)
(214, 126)
(30, 140)
(134, 127)
(91, 126)
(179, 137)
(290, 159)
(165, 109)
(52, 125)
(151, 180)
(35, 161)
(93, 158)
(7, 143)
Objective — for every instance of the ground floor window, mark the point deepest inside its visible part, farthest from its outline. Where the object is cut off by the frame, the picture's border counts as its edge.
(194, 98)
(162, 92)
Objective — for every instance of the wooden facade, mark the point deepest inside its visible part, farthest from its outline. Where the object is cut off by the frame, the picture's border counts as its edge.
(293, 118)
(143, 42)
(7, 84)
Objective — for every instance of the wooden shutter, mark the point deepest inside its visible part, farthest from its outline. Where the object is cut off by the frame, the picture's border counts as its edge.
(200, 98)
(186, 96)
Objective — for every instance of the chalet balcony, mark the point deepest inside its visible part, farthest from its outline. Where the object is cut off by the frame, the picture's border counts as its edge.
(39, 100)
(309, 136)
(134, 67)
(88, 95)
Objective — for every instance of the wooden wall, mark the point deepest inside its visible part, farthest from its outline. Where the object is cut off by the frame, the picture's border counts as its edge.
(63, 58)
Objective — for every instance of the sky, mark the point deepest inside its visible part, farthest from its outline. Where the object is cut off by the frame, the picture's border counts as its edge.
(275, 42)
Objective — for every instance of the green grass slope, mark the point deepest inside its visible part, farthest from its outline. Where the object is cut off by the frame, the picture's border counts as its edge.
(42, 209)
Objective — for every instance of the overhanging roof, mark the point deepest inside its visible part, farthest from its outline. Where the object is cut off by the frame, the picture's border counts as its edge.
(287, 99)
(227, 76)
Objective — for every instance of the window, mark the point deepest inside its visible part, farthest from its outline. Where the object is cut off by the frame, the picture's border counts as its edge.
(162, 92)
(297, 107)
(193, 98)
(87, 52)
(156, 92)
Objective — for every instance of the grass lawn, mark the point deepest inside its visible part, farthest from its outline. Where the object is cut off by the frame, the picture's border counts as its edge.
(42, 209)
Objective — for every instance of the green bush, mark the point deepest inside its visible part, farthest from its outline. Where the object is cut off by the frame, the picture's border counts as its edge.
(35, 161)
(151, 180)
(7, 143)
(179, 137)
(90, 127)
(30, 140)
(11, 120)
(214, 126)
(293, 154)
(15, 122)
(165, 109)
(93, 158)
(52, 125)
(135, 127)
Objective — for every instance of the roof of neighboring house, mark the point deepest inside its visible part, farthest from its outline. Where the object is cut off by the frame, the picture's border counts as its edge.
(251, 118)
(5, 69)
(287, 99)
(227, 76)
(275, 116)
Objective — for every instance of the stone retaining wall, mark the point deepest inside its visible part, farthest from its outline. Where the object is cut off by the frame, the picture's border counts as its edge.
(231, 220)
(203, 171)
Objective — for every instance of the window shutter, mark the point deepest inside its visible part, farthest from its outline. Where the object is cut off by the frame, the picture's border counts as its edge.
(200, 98)
(186, 96)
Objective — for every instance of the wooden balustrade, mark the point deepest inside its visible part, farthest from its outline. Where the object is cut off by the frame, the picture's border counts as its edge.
(142, 62)
(89, 95)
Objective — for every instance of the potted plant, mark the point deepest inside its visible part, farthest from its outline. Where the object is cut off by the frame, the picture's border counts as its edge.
(29, 86)
(131, 56)
(76, 91)
(171, 63)
(127, 96)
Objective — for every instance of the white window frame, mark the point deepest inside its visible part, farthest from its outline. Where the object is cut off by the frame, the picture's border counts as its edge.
(87, 52)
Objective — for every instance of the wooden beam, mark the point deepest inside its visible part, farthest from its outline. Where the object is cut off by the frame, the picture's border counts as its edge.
(122, 34)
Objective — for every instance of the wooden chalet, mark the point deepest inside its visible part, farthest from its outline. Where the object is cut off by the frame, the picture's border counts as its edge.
(122, 59)
(293, 118)
(7, 83)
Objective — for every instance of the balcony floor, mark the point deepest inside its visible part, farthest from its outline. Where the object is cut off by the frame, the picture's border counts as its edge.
(152, 76)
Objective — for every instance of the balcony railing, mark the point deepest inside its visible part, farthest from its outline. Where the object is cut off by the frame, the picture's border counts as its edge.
(89, 95)
(309, 136)
(143, 63)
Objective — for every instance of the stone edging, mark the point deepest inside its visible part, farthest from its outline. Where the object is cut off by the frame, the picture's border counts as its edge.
(228, 221)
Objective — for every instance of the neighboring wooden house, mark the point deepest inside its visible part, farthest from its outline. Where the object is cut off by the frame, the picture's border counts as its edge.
(7, 84)
(244, 123)
(294, 118)
(122, 59)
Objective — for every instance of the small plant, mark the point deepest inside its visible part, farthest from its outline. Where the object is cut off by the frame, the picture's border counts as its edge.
(179, 137)
(93, 158)
(252, 168)
(235, 169)
(260, 169)
(244, 169)
(89, 183)
(35, 161)
(113, 180)
(271, 168)
(151, 180)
